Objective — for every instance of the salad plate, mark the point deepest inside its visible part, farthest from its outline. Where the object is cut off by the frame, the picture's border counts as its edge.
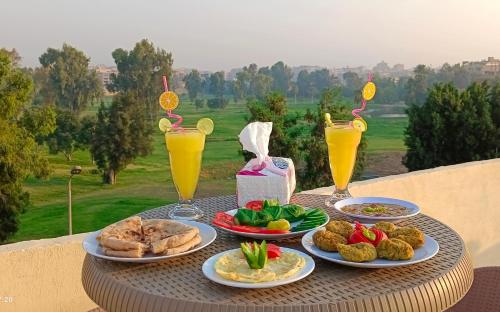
(209, 271)
(308, 219)
(426, 252)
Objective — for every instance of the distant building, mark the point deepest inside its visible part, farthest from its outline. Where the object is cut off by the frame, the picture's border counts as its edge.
(490, 66)
(104, 74)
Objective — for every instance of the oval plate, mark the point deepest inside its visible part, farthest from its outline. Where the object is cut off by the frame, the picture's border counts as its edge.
(207, 233)
(272, 236)
(209, 271)
(427, 251)
(414, 209)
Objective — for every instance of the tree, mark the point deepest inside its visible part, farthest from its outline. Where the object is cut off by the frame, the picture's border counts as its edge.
(121, 134)
(65, 138)
(282, 142)
(14, 56)
(71, 81)
(352, 84)
(140, 72)
(217, 84)
(19, 153)
(282, 76)
(199, 103)
(40, 121)
(417, 87)
(316, 169)
(304, 84)
(193, 84)
(452, 127)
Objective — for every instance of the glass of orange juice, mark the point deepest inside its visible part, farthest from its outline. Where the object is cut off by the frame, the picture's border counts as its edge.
(342, 139)
(185, 148)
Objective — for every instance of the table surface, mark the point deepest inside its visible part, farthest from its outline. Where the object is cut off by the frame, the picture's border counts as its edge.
(178, 284)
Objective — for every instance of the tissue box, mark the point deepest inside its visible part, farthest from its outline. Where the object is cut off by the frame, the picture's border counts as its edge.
(265, 184)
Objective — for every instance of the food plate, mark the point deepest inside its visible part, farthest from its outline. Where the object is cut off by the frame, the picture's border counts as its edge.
(210, 273)
(427, 251)
(272, 236)
(207, 233)
(413, 209)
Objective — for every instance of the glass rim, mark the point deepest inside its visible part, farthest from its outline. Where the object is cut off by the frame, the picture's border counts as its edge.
(340, 124)
(182, 129)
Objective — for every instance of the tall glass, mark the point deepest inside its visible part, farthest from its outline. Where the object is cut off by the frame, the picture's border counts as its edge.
(343, 140)
(185, 148)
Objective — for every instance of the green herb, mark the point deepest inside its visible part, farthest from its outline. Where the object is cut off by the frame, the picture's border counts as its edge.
(312, 219)
(275, 211)
(270, 203)
(293, 213)
(256, 256)
(369, 234)
(251, 217)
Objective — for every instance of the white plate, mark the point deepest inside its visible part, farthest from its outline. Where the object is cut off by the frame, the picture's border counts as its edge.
(209, 271)
(414, 209)
(429, 250)
(272, 236)
(207, 233)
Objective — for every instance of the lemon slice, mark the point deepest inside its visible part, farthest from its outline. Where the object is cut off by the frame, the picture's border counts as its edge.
(205, 125)
(360, 124)
(328, 119)
(169, 100)
(165, 125)
(369, 91)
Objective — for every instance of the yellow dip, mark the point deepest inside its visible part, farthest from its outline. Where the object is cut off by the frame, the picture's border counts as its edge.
(233, 266)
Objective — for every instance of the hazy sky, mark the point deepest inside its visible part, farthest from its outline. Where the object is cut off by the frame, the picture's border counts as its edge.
(222, 34)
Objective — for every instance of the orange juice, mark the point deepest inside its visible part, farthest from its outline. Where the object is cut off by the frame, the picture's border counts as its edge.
(343, 141)
(185, 148)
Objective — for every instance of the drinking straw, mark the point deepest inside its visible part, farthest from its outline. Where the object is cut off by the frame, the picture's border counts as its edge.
(169, 112)
(363, 102)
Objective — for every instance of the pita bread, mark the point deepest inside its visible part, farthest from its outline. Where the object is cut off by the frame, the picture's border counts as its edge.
(123, 235)
(185, 247)
(133, 237)
(166, 234)
(136, 253)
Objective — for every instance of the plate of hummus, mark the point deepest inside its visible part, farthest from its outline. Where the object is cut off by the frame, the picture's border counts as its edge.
(231, 268)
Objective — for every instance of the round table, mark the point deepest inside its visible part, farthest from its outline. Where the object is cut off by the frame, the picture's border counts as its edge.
(178, 284)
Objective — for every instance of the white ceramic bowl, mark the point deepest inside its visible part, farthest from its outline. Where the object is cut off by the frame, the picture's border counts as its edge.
(414, 209)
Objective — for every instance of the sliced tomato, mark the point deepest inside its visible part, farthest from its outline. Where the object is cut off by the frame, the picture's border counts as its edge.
(255, 205)
(222, 224)
(225, 217)
(273, 251)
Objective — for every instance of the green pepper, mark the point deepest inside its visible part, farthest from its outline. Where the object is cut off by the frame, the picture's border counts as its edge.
(255, 255)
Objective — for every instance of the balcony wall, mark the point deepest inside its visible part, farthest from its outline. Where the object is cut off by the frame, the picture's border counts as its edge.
(44, 275)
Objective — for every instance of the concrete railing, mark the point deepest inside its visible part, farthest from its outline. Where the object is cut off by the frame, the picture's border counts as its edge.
(45, 275)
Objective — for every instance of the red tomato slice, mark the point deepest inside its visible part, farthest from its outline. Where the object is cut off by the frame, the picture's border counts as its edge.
(222, 216)
(273, 251)
(255, 205)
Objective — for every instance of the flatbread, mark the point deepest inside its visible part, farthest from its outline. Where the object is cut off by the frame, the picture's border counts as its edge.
(133, 237)
(195, 241)
(167, 234)
(137, 253)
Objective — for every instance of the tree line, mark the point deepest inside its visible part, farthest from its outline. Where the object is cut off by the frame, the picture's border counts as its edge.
(450, 122)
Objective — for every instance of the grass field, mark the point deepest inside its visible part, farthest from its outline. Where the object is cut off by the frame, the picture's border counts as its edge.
(147, 182)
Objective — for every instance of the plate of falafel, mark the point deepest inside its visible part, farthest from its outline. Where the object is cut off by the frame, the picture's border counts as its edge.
(379, 245)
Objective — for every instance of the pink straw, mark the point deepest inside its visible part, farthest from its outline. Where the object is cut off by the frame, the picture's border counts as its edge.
(363, 102)
(169, 112)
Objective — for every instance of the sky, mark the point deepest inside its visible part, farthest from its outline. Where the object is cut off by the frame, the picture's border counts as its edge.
(225, 34)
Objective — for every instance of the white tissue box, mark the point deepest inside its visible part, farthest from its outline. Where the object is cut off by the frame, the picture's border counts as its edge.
(265, 184)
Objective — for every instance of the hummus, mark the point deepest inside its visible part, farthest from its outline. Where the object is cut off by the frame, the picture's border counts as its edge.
(233, 266)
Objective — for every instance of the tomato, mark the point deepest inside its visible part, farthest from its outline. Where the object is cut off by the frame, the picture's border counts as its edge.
(222, 216)
(363, 234)
(273, 251)
(255, 205)
(256, 229)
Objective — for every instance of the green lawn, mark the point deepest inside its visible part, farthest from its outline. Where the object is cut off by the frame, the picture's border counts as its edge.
(147, 183)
